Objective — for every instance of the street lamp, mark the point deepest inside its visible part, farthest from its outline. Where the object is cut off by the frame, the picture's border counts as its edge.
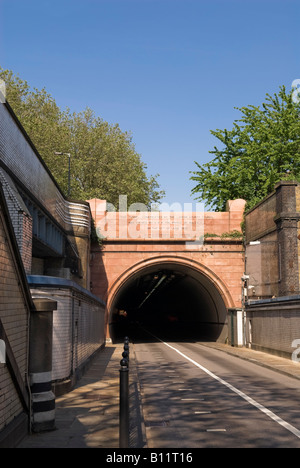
(58, 153)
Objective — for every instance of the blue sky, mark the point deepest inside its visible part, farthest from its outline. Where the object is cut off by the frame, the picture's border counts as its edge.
(168, 71)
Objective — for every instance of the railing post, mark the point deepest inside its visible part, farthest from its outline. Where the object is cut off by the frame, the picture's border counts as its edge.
(124, 400)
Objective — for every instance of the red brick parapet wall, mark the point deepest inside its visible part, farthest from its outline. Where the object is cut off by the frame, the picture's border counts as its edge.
(153, 225)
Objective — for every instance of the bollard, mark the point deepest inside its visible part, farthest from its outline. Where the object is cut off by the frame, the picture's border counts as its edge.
(125, 354)
(124, 405)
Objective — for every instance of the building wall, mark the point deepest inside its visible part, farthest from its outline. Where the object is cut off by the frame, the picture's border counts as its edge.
(20, 218)
(21, 162)
(272, 244)
(274, 325)
(78, 326)
(150, 235)
(14, 315)
(298, 230)
(272, 263)
(48, 234)
(134, 240)
(19, 156)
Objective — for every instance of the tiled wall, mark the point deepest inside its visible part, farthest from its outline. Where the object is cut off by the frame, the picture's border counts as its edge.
(78, 326)
(14, 316)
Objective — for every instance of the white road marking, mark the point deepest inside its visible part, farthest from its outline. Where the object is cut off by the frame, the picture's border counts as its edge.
(250, 400)
(192, 399)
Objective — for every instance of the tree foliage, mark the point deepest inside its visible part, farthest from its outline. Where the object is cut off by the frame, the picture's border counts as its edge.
(262, 148)
(104, 162)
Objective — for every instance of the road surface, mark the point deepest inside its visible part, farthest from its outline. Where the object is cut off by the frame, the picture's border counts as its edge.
(197, 397)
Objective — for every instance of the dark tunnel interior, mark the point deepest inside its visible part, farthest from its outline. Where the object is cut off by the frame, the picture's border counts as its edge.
(171, 302)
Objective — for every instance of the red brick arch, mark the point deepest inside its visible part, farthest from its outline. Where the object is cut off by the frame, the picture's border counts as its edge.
(193, 267)
(202, 245)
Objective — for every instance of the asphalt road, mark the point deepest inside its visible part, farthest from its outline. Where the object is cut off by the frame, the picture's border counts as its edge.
(197, 397)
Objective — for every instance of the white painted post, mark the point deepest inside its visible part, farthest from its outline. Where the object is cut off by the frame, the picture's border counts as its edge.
(240, 327)
(2, 352)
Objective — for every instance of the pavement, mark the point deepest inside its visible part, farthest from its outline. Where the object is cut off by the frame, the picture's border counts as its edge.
(88, 416)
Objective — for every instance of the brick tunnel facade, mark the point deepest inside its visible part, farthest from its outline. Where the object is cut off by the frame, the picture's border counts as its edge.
(174, 284)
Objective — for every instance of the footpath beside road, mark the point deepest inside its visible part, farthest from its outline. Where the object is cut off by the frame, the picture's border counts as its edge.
(88, 416)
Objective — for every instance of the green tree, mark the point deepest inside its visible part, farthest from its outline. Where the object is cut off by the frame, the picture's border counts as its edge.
(262, 148)
(111, 165)
(104, 162)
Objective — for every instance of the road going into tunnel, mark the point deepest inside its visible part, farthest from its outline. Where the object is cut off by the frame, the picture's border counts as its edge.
(170, 298)
(196, 397)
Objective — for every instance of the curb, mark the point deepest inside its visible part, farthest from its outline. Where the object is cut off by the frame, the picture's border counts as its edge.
(255, 361)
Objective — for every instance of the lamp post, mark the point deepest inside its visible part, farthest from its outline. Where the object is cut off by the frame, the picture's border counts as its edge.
(58, 153)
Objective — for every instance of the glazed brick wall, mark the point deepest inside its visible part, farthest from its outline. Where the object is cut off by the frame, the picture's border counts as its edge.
(20, 219)
(14, 316)
(20, 158)
(26, 241)
(88, 322)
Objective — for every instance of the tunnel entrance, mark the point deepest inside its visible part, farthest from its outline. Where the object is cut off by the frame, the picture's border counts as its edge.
(172, 301)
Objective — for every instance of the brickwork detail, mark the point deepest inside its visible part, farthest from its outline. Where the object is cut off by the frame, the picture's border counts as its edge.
(61, 225)
(272, 244)
(298, 229)
(21, 159)
(14, 316)
(273, 307)
(221, 260)
(20, 218)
